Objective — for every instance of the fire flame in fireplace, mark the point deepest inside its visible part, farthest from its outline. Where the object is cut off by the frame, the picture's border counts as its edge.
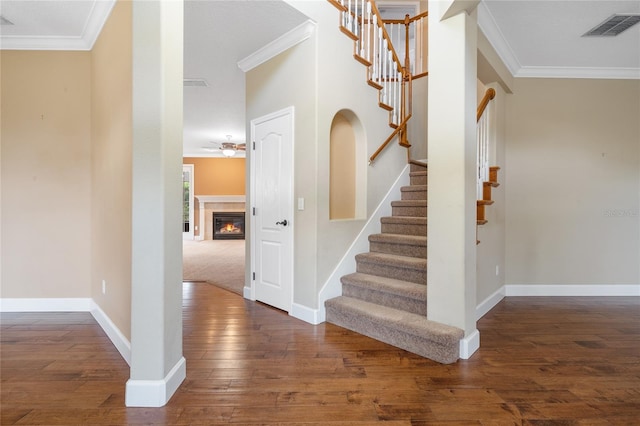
(229, 227)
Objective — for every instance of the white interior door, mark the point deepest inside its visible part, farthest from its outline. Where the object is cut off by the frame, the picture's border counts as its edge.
(272, 200)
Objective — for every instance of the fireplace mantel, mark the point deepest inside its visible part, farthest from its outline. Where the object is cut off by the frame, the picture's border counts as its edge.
(221, 198)
(235, 203)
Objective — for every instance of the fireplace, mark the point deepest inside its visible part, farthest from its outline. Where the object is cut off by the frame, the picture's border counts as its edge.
(228, 225)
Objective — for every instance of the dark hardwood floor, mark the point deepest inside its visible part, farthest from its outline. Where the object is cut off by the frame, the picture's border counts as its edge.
(543, 361)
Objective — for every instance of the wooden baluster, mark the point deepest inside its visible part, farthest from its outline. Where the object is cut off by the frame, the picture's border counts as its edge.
(384, 71)
(368, 46)
(379, 57)
(397, 97)
(356, 26)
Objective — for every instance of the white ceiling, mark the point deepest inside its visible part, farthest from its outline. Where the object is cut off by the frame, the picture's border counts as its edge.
(544, 38)
(534, 38)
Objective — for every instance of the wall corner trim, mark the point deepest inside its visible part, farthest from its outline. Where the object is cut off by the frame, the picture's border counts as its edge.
(155, 393)
(306, 314)
(469, 345)
(277, 46)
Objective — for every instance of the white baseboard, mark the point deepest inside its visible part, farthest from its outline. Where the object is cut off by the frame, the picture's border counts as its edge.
(469, 345)
(75, 304)
(312, 316)
(155, 393)
(246, 293)
(487, 304)
(602, 290)
(122, 344)
(118, 339)
(556, 290)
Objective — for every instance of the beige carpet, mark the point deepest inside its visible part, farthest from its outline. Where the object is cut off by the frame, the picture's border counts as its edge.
(218, 262)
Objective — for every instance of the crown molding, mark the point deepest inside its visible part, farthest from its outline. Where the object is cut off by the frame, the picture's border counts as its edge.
(277, 46)
(579, 72)
(490, 29)
(93, 26)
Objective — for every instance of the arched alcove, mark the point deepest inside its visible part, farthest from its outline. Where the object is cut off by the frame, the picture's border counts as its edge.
(347, 167)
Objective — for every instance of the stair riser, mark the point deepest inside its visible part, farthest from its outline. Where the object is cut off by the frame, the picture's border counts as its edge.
(392, 271)
(415, 306)
(445, 354)
(414, 195)
(418, 179)
(399, 249)
(398, 228)
(409, 211)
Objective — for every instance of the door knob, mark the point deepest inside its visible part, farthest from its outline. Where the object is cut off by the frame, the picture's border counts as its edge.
(283, 223)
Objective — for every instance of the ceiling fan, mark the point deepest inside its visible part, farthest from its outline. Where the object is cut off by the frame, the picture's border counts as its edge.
(228, 148)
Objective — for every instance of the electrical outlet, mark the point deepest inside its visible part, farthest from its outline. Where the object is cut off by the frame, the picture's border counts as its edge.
(104, 287)
(497, 270)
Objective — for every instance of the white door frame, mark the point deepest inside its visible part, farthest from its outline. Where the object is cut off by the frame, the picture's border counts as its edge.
(190, 235)
(252, 197)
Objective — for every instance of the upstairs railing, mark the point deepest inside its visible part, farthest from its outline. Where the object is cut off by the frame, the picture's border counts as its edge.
(389, 71)
(410, 32)
(483, 139)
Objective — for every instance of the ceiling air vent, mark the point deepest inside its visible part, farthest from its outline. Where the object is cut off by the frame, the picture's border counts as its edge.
(195, 82)
(614, 25)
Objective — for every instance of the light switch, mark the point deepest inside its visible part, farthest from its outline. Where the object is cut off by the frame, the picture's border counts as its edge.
(300, 203)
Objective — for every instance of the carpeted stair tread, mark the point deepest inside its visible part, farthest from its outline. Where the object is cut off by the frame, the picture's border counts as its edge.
(405, 220)
(416, 208)
(412, 269)
(418, 178)
(410, 240)
(414, 192)
(405, 225)
(409, 331)
(404, 295)
(392, 260)
(409, 203)
(403, 245)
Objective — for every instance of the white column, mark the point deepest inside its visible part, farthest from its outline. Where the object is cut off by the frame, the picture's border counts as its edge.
(451, 263)
(157, 364)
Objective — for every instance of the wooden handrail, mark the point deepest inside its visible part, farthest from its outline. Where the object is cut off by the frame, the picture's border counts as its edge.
(398, 129)
(488, 96)
(338, 5)
(385, 35)
(390, 76)
(402, 21)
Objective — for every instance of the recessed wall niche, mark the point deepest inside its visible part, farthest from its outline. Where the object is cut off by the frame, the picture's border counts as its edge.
(347, 167)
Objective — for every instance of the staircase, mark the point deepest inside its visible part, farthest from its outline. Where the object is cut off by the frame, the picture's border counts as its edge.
(386, 298)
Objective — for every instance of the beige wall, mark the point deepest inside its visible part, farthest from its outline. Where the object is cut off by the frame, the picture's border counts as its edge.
(218, 176)
(573, 182)
(46, 177)
(111, 167)
(342, 172)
